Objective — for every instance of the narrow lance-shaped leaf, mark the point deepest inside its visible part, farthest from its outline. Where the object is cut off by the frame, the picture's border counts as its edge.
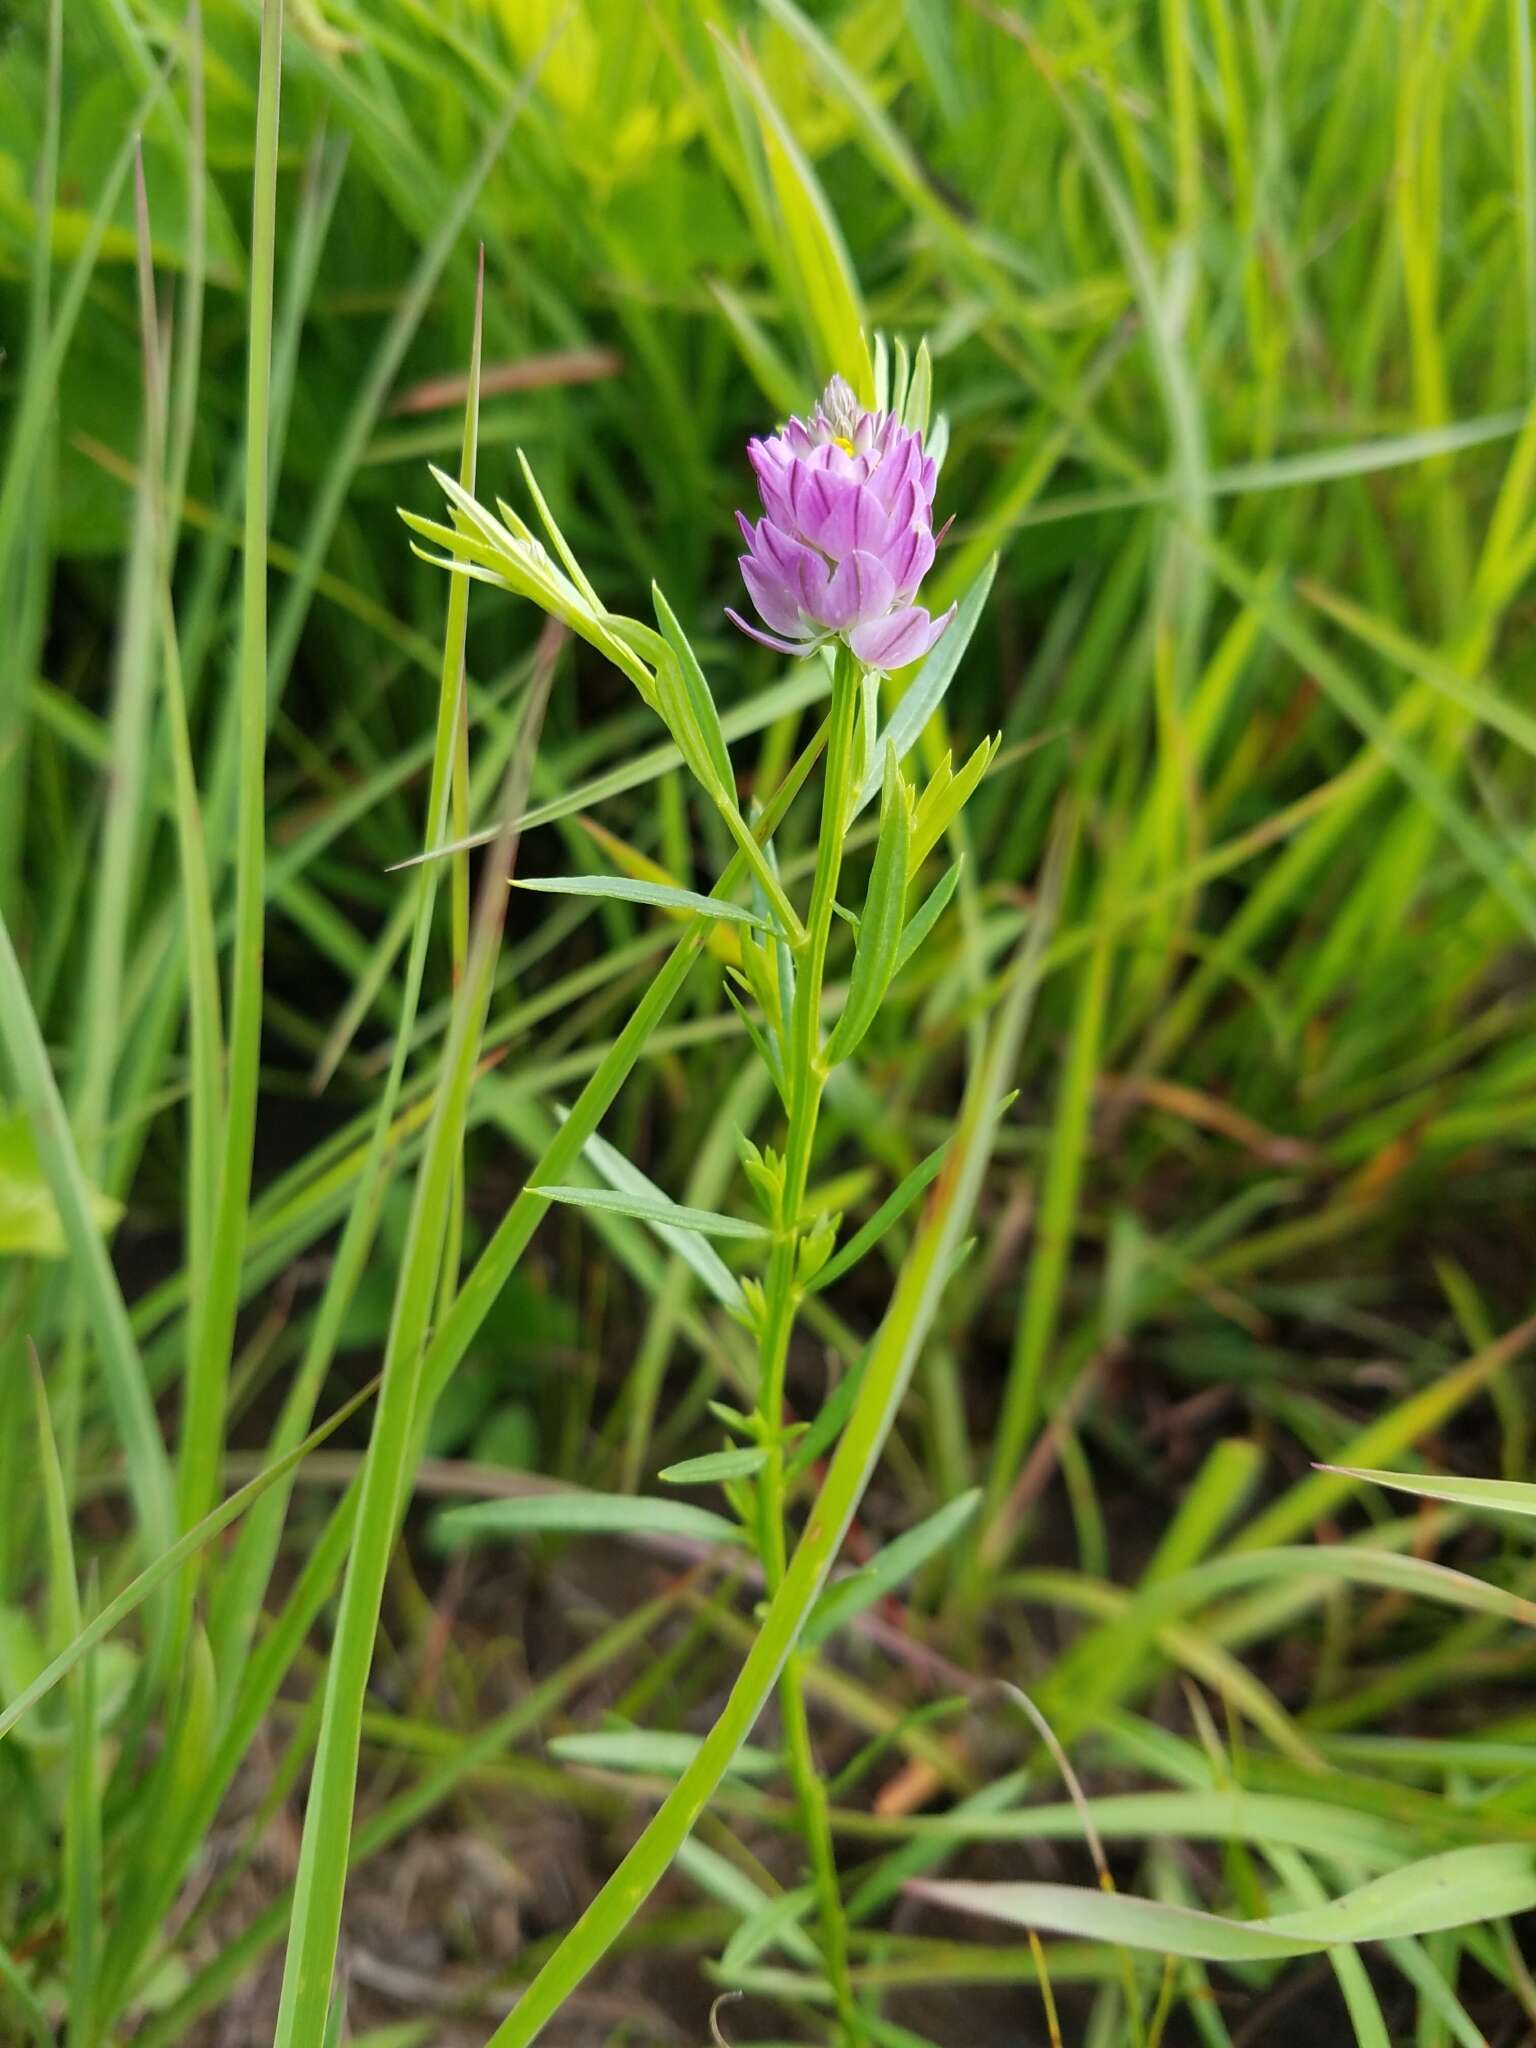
(885, 909)
(690, 1246)
(762, 974)
(476, 544)
(723, 942)
(508, 551)
(923, 920)
(896, 1562)
(656, 1210)
(716, 1466)
(829, 297)
(830, 1417)
(463, 545)
(688, 707)
(1508, 1496)
(928, 687)
(890, 1211)
(697, 696)
(765, 1049)
(944, 799)
(730, 1886)
(652, 1749)
(133, 1595)
(1451, 1890)
(562, 546)
(681, 720)
(792, 694)
(575, 1513)
(917, 403)
(776, 1923)
(634, 889)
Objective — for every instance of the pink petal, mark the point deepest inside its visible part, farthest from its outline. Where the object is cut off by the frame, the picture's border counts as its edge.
(794, 568)
(797, 647)
(811, 579)
(810, 498)
(900, 467)
(772, 470)
(769, 453)
(776, 600)
(857, 519)
(833, 460)
(861, 588)
(940, 625)
(905, 512)
(895, 640)
(909, 559)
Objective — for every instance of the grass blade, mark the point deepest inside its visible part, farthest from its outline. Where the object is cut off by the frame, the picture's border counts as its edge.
(1452, 1890)
(322, 1860)
(216, 1300)
(571, 1512)
(631, 889)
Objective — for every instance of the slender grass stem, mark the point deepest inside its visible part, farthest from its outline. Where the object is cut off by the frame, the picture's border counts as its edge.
(807, 1078)
(217, 1301)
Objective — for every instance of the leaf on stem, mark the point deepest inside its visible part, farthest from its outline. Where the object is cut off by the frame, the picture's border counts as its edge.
(923, 920)
(927, 689)
(635, 889)
(656, 1210)
(885, 909)
(691, 1247)
(890, 1211)
(896, 1562)
(716, 1466)
(945, 797)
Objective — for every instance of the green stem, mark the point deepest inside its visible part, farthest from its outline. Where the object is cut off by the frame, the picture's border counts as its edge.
(216, 1301)
(807, 1077)
(764, 873)
(895, 1347)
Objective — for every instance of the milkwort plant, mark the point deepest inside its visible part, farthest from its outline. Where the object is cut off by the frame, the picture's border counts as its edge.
(834, 567)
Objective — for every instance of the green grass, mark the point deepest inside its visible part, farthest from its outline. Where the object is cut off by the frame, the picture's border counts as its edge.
(379, 1251)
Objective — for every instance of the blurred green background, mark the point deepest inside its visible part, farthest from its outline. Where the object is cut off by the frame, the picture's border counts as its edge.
(1232, 306)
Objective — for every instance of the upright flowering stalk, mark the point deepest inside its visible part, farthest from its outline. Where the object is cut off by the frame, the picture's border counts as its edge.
(836, 561)
(844, 542)
(846, 535)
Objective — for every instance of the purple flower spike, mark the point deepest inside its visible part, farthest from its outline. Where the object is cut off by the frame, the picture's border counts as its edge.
(846, 535)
